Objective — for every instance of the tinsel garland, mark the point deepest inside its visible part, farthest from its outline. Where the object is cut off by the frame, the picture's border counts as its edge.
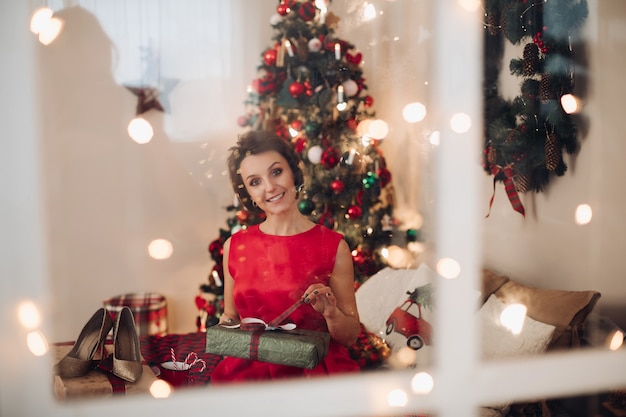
(528, 134)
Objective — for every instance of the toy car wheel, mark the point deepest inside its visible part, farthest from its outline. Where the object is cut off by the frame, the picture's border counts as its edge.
(415, 342)
(390, 327)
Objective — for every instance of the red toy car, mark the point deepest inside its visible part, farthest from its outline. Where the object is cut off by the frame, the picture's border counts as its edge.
(407, 320)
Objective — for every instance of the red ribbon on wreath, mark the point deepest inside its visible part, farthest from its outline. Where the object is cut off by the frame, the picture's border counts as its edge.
(509, 187)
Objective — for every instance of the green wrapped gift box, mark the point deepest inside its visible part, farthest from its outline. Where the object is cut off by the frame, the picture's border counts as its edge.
(300, 348)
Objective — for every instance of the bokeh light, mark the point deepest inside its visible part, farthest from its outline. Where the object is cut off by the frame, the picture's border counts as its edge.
(422, 383)
(583, 214)
(414, 112)
(37, 343)
(140, 130)
(570, 103)
(448, 268)
(397, 398)
(461, 122)
(513, 317)
(378, 129)
(160, 389)
(160, 249)
(28, 315)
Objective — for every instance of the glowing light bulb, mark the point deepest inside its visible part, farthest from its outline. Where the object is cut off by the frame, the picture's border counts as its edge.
(414, 112)
(28, 315)
(422, 383)
(160, 249)
(140, 130)
(570, 103)
(363, 126)
(160, 389)
(583, 214)
(378, 129)
(397, 398)
(40, 19)
(434, 138)
(396, 257)
(512, 317)
(448, 268)
(460, 122)
(37, 343)
(617, 340)
(50, 31)
(369, 12)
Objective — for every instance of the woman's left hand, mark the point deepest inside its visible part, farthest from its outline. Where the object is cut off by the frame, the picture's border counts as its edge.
(321, 298)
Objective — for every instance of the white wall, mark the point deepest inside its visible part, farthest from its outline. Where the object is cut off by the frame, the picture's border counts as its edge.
(547, 249)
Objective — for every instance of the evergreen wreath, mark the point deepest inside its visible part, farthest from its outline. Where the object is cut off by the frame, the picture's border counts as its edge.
(525, 137)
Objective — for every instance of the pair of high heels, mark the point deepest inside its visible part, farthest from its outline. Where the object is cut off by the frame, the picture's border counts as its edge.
(126, 352)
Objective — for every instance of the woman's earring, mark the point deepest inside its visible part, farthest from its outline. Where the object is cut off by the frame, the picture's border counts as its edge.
(299, 190)
(254, 203)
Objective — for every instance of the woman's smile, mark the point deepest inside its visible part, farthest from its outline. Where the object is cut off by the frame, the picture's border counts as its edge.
(276, 198)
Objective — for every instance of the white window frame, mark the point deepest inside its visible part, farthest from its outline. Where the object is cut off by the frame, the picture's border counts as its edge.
(461, 382)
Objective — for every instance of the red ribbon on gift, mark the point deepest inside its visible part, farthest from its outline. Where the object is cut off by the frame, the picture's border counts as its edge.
(509, 187)
(258, 326)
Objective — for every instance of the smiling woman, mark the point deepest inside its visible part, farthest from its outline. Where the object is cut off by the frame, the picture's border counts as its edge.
(284, 260)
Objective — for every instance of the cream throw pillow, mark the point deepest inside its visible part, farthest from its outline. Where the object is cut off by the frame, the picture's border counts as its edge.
(499, 342)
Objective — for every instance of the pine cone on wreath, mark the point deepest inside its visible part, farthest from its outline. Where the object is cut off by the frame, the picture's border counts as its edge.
(491, 155)
(522, 182)
(553, 152)
(531, 59)
(545, 88)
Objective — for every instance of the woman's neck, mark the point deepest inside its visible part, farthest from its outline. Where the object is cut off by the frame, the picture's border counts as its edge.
(286, 224)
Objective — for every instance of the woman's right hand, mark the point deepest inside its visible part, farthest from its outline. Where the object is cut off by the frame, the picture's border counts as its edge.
(226, 320)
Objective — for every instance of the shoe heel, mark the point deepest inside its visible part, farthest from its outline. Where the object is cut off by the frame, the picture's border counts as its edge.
(77, 362)
(126, 351)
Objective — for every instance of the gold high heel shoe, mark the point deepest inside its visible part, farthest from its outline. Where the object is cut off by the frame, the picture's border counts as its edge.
(77, 362)
(126, 352)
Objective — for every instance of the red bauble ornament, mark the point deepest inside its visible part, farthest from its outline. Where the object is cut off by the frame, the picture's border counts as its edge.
(296, 89)
(283, 9)
(384, 176)
(354, 59)
(352, 124)
(242, 216)
(216, 249)
(337, 186)
(242, 121)
(306, 11)
(368, 101)
(355, 212)
(300, 144)
(330, 158)
(269, 57)
(359, 197)
(296, 124)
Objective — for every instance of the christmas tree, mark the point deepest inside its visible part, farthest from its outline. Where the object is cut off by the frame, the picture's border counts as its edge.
(310, 91)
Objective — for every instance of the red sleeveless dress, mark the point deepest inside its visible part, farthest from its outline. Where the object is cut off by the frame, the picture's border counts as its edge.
(271, 273)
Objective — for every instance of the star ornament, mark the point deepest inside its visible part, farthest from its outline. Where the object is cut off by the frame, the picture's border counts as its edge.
(147, 99)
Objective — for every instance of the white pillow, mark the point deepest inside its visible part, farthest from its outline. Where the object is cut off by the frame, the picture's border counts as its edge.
(383, 292)
(499, 342)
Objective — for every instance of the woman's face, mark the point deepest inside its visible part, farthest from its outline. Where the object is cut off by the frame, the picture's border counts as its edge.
(269, 181)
